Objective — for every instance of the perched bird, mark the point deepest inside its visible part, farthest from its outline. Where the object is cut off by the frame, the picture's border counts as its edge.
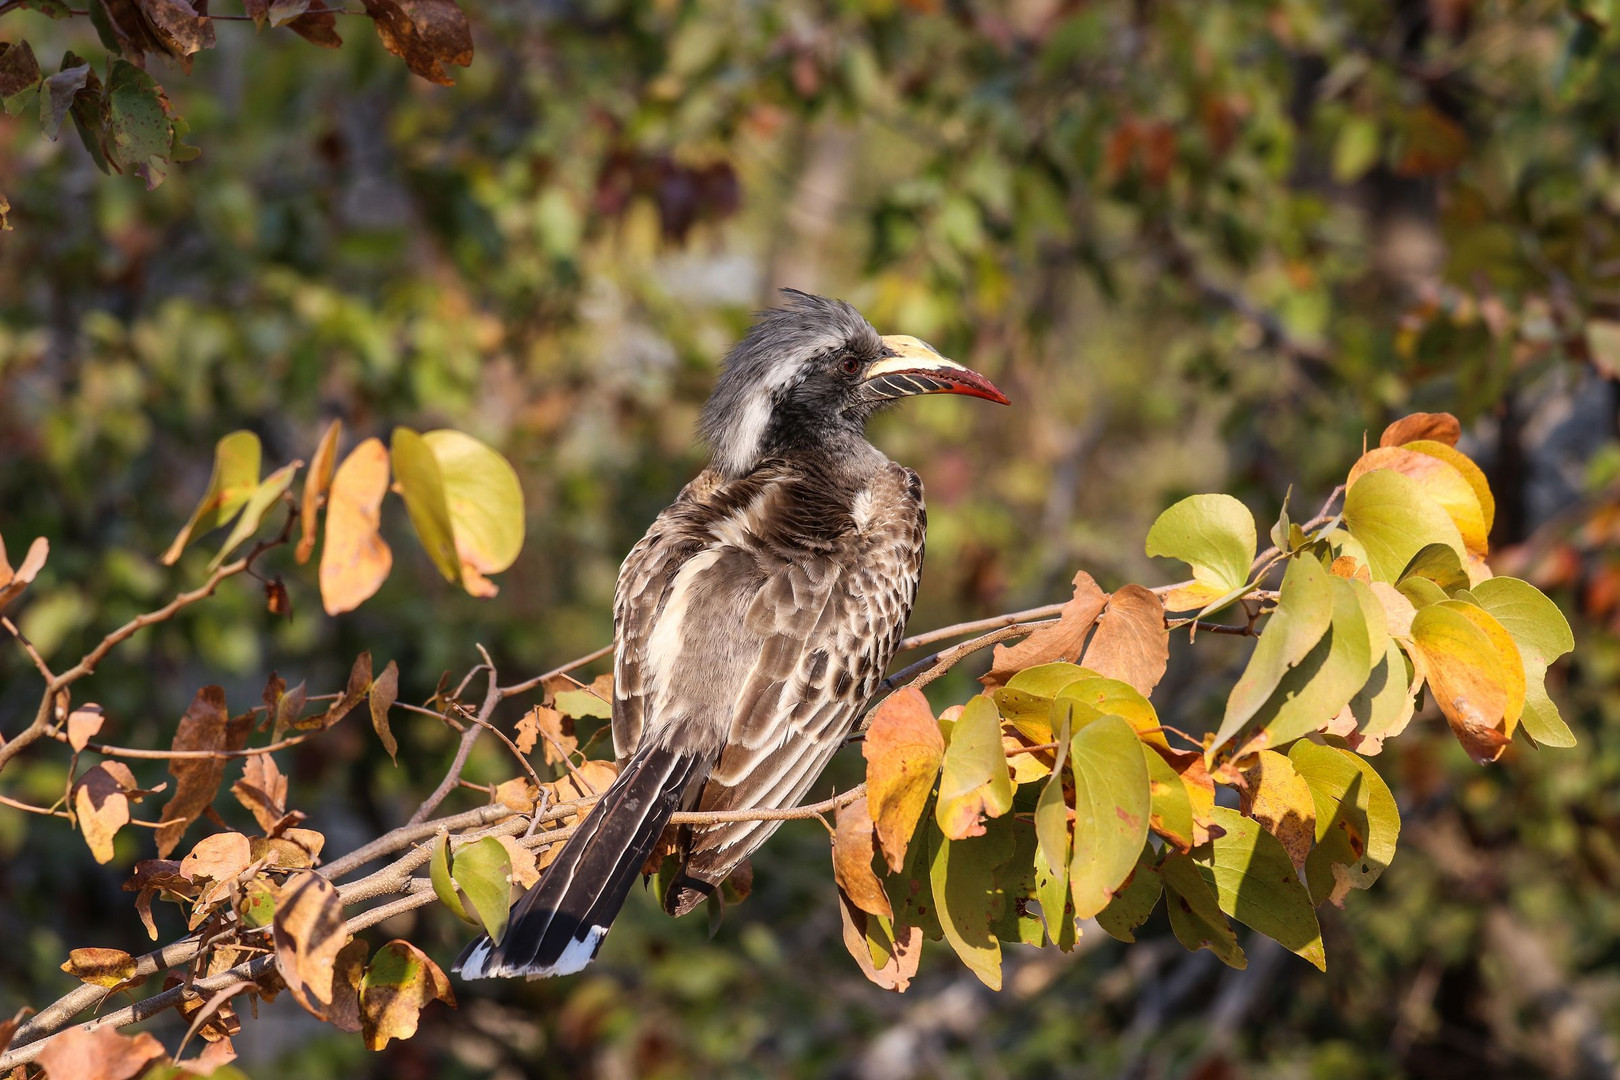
(751, 624)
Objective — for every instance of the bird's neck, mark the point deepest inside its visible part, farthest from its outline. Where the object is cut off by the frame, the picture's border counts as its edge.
(841, 451)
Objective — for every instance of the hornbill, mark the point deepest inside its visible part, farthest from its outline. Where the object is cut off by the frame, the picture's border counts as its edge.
(751, 624)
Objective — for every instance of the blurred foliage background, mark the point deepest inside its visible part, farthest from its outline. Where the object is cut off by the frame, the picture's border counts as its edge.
(1202, 246)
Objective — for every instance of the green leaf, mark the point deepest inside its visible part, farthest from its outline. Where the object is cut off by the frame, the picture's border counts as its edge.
(1302, 617)
(258, 904)
(968, 898)
(1440, 564)
(232, 483)
(1195, 917)
(1095, 697)
(1045, 680)
(1171, 815)
(974, 782)
(19, 75)
(486, 506)
(1133, 904)
(1215, 535)
(484, 872)
(264, 496)
(1112, 802)
(1421, 591)
(1357, 822)
(1384, 704)
(137, 126)
(443, 887)
(416, 471)
(1312, 694)
(1393, 519)
(1017, 878)
(911, 893)
(1052, 811)
(1542, 635)
(1355, 149)
(580, 704)
(1256, 884)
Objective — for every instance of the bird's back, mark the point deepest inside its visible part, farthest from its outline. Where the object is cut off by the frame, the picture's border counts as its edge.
(752, 622)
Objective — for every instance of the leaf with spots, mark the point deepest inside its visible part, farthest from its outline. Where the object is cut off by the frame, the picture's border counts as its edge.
(1112, 803)
(399, 983)
(426, 34)
(1280, 800)
(1256, 884)
(101, 967)
(1357, 821)
(1195, 916)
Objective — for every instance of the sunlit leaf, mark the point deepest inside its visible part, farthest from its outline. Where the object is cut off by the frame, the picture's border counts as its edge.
(205, 726)
(484, 872)
(230, 485)
(308, 931)
(100, 967)
(1256, 884)
(1060, 642)
(1357, 822)
(852, 860)
(13, 582)
(1438, 479)
(974, 783)
(264, 496)
(444, 887)
(1094, 696)
(1302, 617)
(1280, 799)
(1542, 635)
(485, 503)
(969, 898)
(100, 1053)
(1171, 815)
(1442, 428)
(1475, 672)
(1213, 534)
(1313, 693)
(384, 691)
(1131, 643)
(399, 983)
(316, 483)
(1393, 518)
(417, 474)
(1112, 802)
(355, 560)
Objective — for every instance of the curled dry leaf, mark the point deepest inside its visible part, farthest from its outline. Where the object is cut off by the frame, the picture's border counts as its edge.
(399, 982)
(852, 853)
(551, 730)
(347, 973)
(262, 790)
(889, 960)
(13, 582)
(101, 967)
(426, 34)
(217, 858)
(82, 725)
(309, 933)
(525, 872)
(1440, 427)
(315, 488)
(98, 1054)
(356, 559)
(101, 804)
(214, 1017)
(354, 693)
(205, 726)
(1131, 643)
(1061, 641)
(903, 750)
(384, 691)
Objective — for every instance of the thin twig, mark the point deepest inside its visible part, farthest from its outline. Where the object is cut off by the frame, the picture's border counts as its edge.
(573, 665)
(28, 647)
(164, 755)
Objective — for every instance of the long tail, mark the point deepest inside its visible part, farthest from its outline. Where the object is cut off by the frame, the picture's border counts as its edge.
(557, 927)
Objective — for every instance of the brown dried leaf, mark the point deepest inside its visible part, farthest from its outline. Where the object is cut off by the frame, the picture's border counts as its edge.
(518, 794)
(215, 1055)
(347, 972)
(8, 1028)
(1281, 801)
(294, 849)
(320, 467)
(903, 750)
(318, 26)
(384, 691)
(544, 721)
(1058, 642)
(101, 804)
(1441, 427)
(97, 1054)
(309, 933)
(1189, 765)
(399, 982)
(289, 710)
(217, 858)
(426, 34)
(1131, 643)
(82, 725)
(904, 950)
(353, 694)
(356, 559)
(13, 582)
(197, 780)
(524, 870)
(852, 853)
(101, 967)
(262, 790)
(214, 1017)
(276, 599)
(591, 779)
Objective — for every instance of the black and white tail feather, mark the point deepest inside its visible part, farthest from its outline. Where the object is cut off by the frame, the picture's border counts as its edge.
(558, 926)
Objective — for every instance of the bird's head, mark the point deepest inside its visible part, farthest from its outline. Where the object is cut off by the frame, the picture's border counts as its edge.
(810, 372)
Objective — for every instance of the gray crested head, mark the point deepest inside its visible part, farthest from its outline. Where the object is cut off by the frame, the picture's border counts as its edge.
(807, 375)
(769, 391)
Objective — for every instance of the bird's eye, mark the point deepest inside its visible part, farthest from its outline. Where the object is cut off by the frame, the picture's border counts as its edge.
(850, 365)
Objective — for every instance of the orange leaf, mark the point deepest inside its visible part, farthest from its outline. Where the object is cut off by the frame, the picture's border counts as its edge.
(309, 933)
(1131, 643)
(97, 1054)
(101, 967)
(262, 790)
(1441, 427)
(82, 725)
(903, 952)
(852, 853)
(13, 582)
(356, 559)
(557, 730)
(384, 691)
(101, 804)
(1061, 641)
(315, 487)
(903, 749)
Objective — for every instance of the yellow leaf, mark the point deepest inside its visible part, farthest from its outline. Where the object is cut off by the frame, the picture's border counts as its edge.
(1280, 800)
(974, 783)
(315, 487)
(1475, 671)
(101, 967)
(356, 559)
